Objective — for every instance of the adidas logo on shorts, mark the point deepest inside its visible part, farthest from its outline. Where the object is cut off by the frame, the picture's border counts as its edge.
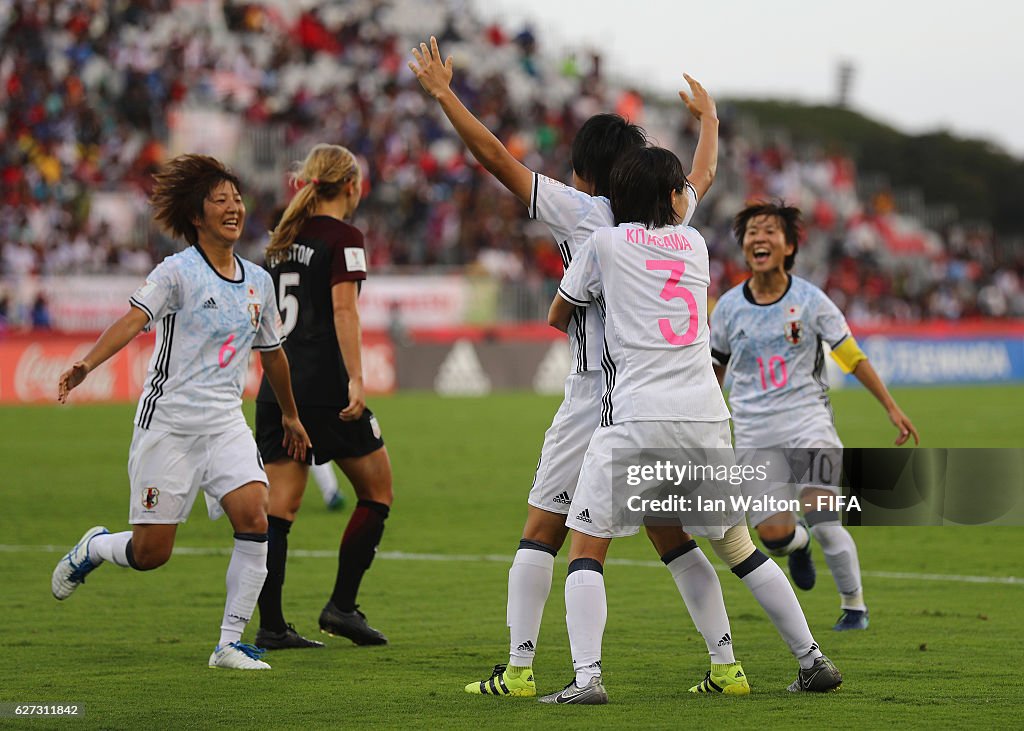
(210, 304)
(562, 498)
(585, 516)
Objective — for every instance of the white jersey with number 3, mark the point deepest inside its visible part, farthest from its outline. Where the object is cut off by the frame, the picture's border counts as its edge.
(206, 326)
(572, 216)
(653, 287)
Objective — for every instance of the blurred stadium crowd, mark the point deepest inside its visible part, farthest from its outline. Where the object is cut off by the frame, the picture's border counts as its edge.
(91, 91)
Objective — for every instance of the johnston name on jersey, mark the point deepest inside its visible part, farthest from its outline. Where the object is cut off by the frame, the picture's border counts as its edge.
(778, 391)
(206, 326)
(572, 216)
(653, 289)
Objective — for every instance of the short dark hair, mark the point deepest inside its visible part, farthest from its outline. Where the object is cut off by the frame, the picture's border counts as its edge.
(642, 185)
(182, 184)
(598, 145)
(789, 216)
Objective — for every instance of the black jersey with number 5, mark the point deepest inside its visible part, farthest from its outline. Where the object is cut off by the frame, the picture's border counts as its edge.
(325, 253)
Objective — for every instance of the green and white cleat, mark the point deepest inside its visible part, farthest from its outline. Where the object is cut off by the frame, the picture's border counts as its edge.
(518, 683)
(724, 679)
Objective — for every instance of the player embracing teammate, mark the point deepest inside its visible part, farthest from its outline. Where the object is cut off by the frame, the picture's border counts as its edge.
(572, 215)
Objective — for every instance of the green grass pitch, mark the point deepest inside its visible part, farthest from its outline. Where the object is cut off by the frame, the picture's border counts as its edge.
(133, 647)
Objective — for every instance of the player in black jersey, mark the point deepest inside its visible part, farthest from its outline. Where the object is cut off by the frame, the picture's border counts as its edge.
(318, 263)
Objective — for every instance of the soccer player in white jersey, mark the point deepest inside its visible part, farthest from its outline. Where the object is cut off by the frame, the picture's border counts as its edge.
(572, 214)
(650, 275)
(210, 309)
(769, 333)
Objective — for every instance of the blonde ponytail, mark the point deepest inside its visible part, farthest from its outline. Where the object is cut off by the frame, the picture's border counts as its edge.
(321, 177)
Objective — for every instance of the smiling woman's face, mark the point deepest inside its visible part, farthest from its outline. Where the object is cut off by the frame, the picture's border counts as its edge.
(223, 213)
(764, 244)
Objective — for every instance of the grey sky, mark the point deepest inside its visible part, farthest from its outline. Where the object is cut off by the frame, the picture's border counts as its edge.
(920, 66)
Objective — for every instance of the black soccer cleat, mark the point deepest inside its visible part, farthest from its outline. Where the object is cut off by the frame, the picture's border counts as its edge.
(287, 640)
(352, 625)
(822, 677)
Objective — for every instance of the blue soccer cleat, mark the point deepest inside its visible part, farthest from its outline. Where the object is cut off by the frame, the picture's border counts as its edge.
(852, 619)
(76, 565)
(801, 566)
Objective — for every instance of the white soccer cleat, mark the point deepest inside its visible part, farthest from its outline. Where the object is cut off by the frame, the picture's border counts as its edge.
(238, 656)
(76, 565)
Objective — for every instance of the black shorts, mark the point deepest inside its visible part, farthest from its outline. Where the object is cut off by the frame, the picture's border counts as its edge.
(332, 438)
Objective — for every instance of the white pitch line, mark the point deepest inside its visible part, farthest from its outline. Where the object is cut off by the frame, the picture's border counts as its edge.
(496, 558)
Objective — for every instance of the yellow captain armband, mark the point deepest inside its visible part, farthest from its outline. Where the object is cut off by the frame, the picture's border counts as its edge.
(848, 354)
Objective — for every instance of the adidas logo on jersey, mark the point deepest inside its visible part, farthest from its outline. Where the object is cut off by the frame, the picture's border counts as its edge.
(726, 640)
(527, 646)
(562, 498)
(585, 516)
(210, 304)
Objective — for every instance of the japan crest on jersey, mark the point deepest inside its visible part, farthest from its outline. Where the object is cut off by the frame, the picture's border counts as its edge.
(794, 328)
(254, 308)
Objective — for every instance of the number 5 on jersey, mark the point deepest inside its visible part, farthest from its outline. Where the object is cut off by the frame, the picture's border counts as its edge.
(288, 304)
(672, 291)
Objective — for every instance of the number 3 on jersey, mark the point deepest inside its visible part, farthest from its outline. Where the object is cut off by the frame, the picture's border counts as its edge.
(288, 304)
(671, 291)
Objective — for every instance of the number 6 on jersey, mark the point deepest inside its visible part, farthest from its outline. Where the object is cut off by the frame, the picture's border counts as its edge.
(671, 291)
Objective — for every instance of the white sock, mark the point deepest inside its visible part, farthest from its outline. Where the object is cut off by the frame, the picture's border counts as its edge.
(841, 556)
(112, 547)
(771, 588)
(701, 590)
(326, 479)
(246, 572)
(800, 539)
(586, 610)
(529, 583)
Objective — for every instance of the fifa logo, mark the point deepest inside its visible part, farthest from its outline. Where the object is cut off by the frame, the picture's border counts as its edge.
(150, 498)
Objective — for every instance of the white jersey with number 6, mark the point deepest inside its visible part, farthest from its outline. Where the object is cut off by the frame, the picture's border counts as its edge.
(652, 286)
(206, 326)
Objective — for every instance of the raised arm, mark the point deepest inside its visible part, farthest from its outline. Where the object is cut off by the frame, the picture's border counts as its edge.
(705, 155)
(435, 76)
(110, 342)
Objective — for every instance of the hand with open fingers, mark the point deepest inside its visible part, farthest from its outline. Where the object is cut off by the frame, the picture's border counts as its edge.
(356, 401)
(434, 75)
(698, 101)
(296, 441)
(71, 378)
(902, 422)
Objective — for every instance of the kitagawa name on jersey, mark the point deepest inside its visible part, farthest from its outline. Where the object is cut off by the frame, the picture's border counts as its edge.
(643, 237)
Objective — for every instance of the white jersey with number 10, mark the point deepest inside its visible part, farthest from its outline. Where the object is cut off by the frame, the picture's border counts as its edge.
(652, 286)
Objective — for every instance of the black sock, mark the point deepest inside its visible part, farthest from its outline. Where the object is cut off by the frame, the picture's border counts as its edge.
(358, 546)
(271, 613)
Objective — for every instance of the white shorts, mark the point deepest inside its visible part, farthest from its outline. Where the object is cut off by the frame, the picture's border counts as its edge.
(820, 468)
(166, 471)
(566, 441)
(594, 510)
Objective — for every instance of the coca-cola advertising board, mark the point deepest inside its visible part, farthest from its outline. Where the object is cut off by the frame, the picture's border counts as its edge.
(31, 364)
